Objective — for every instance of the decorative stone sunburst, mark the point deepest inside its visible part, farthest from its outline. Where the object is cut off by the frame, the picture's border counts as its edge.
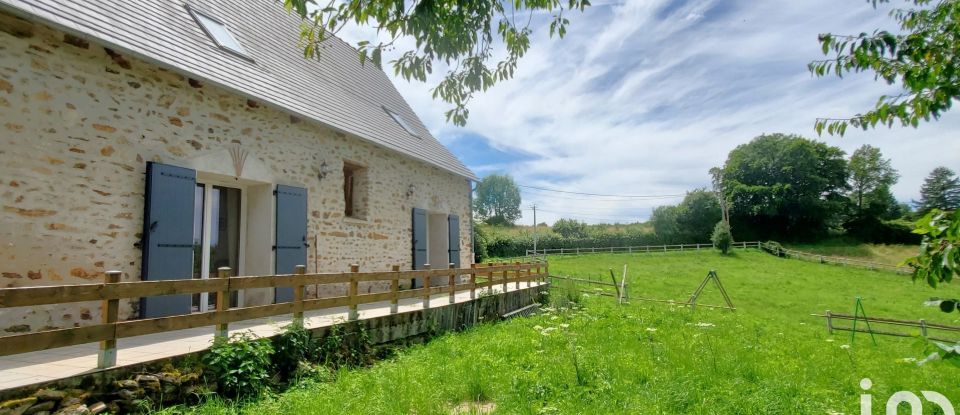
(239, 157)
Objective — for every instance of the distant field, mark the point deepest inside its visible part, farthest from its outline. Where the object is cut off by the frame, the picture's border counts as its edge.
(768, 357)
(884, 254)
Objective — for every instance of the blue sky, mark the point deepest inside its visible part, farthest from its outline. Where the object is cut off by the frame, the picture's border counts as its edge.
(644, 97)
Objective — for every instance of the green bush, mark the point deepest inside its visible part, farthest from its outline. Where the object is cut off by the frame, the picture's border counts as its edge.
(505, 245)
(722, 238)
(240, 364)
(480, 239)
(570, 228)
(342, 349)
(773, 247)
(292, 347)
(873, 230)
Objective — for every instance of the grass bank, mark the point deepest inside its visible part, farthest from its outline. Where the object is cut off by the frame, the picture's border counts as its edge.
(891, 254)
(598, 357)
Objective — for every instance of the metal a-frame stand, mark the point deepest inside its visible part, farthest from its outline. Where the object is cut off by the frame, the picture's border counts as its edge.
(712, 275)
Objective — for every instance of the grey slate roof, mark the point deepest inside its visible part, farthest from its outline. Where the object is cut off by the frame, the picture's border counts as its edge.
(335, 90)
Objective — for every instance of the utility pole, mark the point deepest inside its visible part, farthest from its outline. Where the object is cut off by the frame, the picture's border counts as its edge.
(534, 229)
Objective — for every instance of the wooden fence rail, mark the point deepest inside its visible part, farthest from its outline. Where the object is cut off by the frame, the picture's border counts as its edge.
(921, 324)
(634, 249)
(834, 260)
(111, 292)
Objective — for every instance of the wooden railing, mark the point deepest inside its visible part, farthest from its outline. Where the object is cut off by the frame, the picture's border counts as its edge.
(111, 292)
(923, 326)
(635, 249)
(834, 260)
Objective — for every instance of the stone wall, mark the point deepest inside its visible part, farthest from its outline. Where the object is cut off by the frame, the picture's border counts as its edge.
(78, 123)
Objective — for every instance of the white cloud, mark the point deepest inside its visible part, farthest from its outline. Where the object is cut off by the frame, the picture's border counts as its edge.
(644, 96)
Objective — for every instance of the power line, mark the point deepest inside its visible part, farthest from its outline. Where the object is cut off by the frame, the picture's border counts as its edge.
(597, 198)
(597, 194)
(635, 217)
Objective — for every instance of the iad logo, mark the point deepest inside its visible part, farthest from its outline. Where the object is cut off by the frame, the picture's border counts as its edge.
(910, 398)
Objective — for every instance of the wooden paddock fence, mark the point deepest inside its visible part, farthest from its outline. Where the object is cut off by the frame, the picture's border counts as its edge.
(834, 260)
(634, 249)
(111, 291)
(924, 327)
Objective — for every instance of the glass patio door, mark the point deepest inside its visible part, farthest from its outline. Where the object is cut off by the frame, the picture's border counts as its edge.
(216, 237)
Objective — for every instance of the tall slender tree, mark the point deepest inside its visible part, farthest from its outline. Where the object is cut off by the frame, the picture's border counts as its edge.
(871, 176)
(940, 190)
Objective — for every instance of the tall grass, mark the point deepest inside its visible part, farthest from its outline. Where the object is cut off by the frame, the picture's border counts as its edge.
(595, 357)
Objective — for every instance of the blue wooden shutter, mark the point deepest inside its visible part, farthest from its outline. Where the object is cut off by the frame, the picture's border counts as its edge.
(419, 242)
(168, 235)
(291, 247)
(419, 238)
(453, 231)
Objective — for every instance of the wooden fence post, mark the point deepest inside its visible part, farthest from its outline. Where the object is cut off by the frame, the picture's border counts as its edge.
(517, 274)
(395, 289)
(829, 322)
(923, 327)
(107, 356)
(426, 286)
(223, 302)
(489, 279)
(506, 276)
(529, 275)
(452, 281)
(298, 294)
(473, 281)
(353, 314)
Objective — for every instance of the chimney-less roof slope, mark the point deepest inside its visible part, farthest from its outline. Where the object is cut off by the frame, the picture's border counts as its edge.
(335, 90)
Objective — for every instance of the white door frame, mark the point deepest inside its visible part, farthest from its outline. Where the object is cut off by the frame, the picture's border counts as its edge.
(208, 183)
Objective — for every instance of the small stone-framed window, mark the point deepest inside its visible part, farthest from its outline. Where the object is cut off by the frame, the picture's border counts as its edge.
(355, 191)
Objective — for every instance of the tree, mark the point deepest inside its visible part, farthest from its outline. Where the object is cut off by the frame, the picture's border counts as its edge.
(921, 59)
(698, 213)
(691, 221)
(498, 200)
(570, 228)
(722, 238)
(871, 176)
(665, 224)
(784, 186)
(940, 190)
(461, 34)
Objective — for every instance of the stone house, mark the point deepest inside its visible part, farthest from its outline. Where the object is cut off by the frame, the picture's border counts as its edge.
(168, 138)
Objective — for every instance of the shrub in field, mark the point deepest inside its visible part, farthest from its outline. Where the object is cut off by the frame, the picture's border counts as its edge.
(722, 238)
(240, 364)
(773, 247)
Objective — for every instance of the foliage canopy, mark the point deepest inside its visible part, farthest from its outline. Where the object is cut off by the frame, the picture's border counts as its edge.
(871, 176)
(921, 59)
(461, 34)
(498, 200)
(784, 186)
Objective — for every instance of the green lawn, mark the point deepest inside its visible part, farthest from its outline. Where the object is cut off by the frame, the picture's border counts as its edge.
(769, 356)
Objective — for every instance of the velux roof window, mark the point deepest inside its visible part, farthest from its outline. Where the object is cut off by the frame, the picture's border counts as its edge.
(217, 30)
(402, 122)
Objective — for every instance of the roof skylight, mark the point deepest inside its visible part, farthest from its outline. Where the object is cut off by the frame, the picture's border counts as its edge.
(402, 122)
(217, 30)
